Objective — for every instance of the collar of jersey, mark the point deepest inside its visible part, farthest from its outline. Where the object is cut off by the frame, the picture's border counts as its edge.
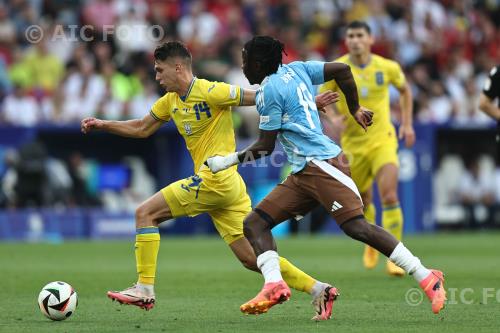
(363, 66)
(183, 98)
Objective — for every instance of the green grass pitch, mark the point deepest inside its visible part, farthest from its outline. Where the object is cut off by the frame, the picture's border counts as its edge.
(200, 287)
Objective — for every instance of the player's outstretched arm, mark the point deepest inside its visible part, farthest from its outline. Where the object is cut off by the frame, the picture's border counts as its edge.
(322, 100)
(135, 128)
(262, 147)
(342, 74)
(248, 97)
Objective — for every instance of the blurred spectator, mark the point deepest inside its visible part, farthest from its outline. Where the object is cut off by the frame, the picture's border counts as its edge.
(477, 194)
(198, 27)
(31, 176)
(469, 114)
(45, 70)
(142, 103)
(79, 193)
(7, 28)
(440, 108)
(83, 92)
(444, 46)
(133, 33)
(21, 109)
(99, 13)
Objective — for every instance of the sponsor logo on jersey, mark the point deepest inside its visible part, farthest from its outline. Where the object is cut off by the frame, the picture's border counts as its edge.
(336, 206)
(264, 119)
(187, 128)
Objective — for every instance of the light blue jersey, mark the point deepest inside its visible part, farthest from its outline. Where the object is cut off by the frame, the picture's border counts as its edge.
(285, 102)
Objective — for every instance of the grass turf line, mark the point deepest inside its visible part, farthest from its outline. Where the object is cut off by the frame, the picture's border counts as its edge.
(200, 286)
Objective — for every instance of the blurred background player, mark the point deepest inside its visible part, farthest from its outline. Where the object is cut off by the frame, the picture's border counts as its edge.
(320, 174)
(201, 111)
(373, 156)
(491, 92)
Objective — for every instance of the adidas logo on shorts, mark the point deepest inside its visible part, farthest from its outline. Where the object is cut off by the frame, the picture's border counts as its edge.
(336, 206)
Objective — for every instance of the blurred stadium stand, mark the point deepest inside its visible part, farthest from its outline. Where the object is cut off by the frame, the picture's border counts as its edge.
(446, 48)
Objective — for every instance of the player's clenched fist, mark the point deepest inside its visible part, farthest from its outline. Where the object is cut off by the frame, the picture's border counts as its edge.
(219, 163)
(89, 124)
(364, 117)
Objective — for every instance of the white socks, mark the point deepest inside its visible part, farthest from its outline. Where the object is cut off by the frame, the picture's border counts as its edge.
(146, 289)
(402, 257)
(269, 264)
(318, 288)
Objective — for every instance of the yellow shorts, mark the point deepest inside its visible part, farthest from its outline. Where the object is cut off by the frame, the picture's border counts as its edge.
(366, 163)
(223, 196)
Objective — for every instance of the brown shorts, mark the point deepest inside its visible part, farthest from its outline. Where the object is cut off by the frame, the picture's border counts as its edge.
(321, 182)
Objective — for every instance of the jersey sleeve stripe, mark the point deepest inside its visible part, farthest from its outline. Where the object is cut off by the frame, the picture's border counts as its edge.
(242, 93)
(155, 116)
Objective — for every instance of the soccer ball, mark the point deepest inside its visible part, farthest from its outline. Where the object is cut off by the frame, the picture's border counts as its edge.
(57, 300)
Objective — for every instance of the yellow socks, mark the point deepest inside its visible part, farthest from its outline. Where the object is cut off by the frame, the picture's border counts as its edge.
(392, 220)
(370, 213)
(147, 244)
(295, 278)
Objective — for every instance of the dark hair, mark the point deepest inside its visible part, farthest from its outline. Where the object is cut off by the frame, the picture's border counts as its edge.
(172, 49)
(360, 25)
(266, 50)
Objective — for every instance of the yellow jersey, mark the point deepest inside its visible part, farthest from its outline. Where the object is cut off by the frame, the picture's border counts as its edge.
(203, 118)
(373, 82)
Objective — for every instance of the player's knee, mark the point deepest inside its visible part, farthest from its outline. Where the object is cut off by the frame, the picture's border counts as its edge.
(253, 225)
(143, 217)
(389, 197)
(250, 225)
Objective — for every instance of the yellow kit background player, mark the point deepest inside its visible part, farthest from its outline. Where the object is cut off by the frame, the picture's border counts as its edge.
(201, 111)
(373, 155)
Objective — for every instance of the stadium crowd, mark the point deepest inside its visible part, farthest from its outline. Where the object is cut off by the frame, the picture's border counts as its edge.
(79, 64)
(445, 47)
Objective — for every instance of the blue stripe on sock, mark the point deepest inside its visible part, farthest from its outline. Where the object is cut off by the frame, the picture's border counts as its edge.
(149, 230)
(397, 206)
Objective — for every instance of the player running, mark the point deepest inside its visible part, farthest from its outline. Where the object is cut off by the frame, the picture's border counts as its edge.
(201, 111)
(373, 156)
(320, 174)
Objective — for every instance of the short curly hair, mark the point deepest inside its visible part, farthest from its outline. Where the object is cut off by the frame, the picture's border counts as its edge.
(266, 50)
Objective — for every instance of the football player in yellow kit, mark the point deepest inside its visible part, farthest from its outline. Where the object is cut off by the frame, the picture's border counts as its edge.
(201, 111)
(373, 156)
